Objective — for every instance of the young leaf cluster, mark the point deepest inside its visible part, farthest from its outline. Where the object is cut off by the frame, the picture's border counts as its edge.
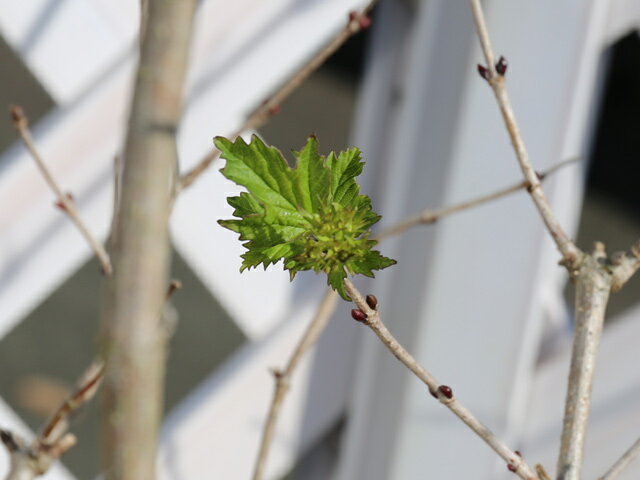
(311, 216)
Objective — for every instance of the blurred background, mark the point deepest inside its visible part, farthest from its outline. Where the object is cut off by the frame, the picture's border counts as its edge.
(405, 91)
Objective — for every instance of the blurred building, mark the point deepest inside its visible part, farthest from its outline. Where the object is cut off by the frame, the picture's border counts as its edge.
(477, 297)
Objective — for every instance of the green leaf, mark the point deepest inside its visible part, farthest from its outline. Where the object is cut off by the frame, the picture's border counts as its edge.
(314, 177)
(312, 216)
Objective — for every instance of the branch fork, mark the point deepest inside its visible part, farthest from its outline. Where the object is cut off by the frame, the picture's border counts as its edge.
(30, 460)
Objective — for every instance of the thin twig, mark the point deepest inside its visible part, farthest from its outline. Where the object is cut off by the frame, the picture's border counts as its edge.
(63, 200)
(29, 461)
(623, 462)
(283, 377)
(570, 252)
(542, 473)
(356, 22)
(428, 216)
(86, 389)
(442, 392)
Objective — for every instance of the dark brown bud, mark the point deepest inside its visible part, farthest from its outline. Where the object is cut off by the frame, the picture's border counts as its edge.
(358, 315)
(446, 391)
(60, 204)
(372, 301)
(8, 440)
(484, 72)
(501, 66)
(511, 468)
(364, 22)
(173, 286)
(517, 452)
(274, 110)
(17, 113)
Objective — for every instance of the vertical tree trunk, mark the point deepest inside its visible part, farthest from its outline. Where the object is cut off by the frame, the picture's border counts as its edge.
(133, 337)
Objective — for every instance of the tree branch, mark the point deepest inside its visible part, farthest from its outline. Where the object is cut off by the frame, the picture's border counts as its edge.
(283, 377)
(28, 461)
(595, 275)
(370, 317)
(133, 334)
(496, 80)
(623, 462)
(428, 216)
(357, 21)
(64, 201)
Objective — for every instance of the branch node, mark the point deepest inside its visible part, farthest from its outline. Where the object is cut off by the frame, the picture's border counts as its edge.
(358, 21)
(274, 110)
(427, 216)
(61, 203)
(173, 286)
(18, 117)
(599, 249)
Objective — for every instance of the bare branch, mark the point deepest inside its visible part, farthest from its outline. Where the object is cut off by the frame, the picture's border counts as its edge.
(624, 266)
(134, 337)
(29, 461)
(623, 462)
(357, 21)
(596, 278)
(64, 200)
(283, 377)
(594, 282)
(496, 80)
(542, 473)
(443, 393)
(86, 389)
(428, 216)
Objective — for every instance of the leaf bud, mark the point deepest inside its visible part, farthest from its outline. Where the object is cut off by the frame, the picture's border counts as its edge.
(484, 72)
(372, 301)
(358, 315)
(501, 66)
(446, 391)
(17, 113)
(364, 22)
(61, 205)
